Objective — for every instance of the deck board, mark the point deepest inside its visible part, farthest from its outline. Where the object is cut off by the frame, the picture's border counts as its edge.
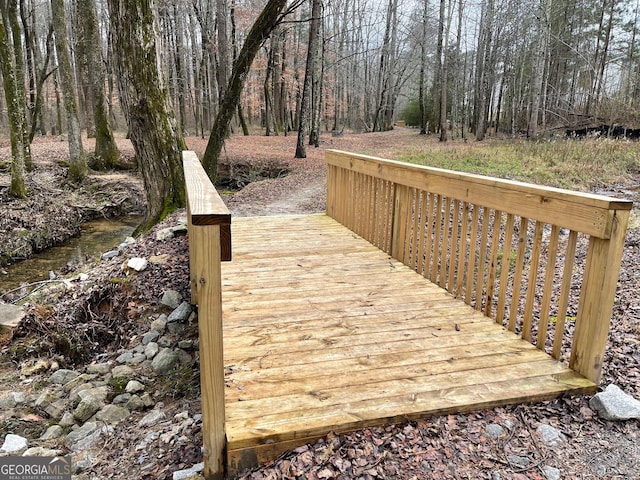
(324, 332)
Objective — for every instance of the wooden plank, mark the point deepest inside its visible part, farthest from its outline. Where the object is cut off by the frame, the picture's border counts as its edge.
(532, 282)
(565, 290)
(505, 268)
(548, 287)
(462, 254)
(482, 262)
(587, 213)
(493, 262)
(519, 271)
(471, 262)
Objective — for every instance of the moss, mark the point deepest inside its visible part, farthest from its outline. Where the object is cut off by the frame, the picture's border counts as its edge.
(183, 381)
(118, 384)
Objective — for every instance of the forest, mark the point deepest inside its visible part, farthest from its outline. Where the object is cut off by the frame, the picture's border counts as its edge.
(456, 68)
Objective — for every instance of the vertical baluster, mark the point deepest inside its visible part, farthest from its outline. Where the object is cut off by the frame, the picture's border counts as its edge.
(429, 244)
(505, 267)
(444, 252)
(433, 276)
(569, 260)
(423, 227)
(532, 281)
(548, 287)
(471, 264)
(482, 261)
(455, 223)
(517, 279)
(493, 262)
(463, 250)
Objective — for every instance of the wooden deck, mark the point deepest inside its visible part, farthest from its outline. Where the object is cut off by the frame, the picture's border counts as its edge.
(325, 332)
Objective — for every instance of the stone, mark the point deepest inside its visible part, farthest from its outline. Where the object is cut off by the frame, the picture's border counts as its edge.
(122, 371)
(121, 399)
(164, 342)
(8, 401)
(164, 234)
(518, 461)
(165, 361)
(41, 452)
(159, 324)
(14, 444)
(181, 313)
(550, 436)
(83, 461)
(494, 431)
(152, 418)
(615, 404)
(57, 408)
(62, 376)
(87, 407)
(175, 328)
(86, 436)
(67, 420)
(185, 358)
(161, 259)
(551, 473)
(80, 380)
(45, 399)
(151, 350)
(185, 344)
(127, 242)
(99, 368)
(10, 316)
(110, 254)
(180, 229)
(34, 369)
(134, 387)
(147, 400)
(83, 277)
(135, 403)
(171, 299)
(150, 336)
(53, 432)
(189, 472)
(112, 414)
(98, 393)
(138, 264)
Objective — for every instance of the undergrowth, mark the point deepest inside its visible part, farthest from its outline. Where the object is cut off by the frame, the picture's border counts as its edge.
(575, 164)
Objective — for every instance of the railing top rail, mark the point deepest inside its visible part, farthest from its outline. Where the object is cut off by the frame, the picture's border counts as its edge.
(584, 212)
(205, 205)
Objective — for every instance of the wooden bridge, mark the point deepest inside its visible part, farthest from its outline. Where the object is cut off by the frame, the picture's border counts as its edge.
(420, 292)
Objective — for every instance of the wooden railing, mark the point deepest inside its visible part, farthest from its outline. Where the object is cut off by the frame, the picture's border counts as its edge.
(506, 248)
(209, 223)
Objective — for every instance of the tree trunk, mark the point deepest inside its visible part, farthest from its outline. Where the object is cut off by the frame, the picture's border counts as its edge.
(152, 125)
(16, 114)
(308, 77)
(260, 30)
(423, 68)
(77, 158)
(106, 150)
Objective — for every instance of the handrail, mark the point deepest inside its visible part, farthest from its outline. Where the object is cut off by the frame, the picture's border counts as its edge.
(507, 248)
(209, 224)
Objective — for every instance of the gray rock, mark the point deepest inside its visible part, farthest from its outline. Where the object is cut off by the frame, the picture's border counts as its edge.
(67, 420)
(134, 387)
(57, 408)
(125, 358)
(152, 418)
(45, 399)
(164, 342)
(176, 328)
(83, 461)
(122, 399)
(87, 436)
(180, 229)
(99, 393)
(41, 452)
(550, 436)
(614, 404)
(164, 234)
(185, 344)
(127, 242)
(8, 401)
(151, 350)
(80, 380)
(138, 264)
(62, 376)
(87, 407)
(551, 473)
(14, 444)
(122, 371)
(189, 472)
(159, 324)
(135, 403)
(147, 400)
(112, 414)
(165, 361)
(518, 461)
(110, 254)
(494, 430)
(185, 358)
(150, 336)
(171, 299)
(10, 316)
(99, 368)
(181, 313)
(53, 432)
(33, 369)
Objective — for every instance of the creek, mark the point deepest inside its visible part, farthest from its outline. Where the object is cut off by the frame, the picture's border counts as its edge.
(97, 236)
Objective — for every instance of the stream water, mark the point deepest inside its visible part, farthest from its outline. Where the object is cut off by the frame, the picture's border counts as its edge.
(97, 236)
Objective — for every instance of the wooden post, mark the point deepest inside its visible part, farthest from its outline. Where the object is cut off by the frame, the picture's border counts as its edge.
(596, 299)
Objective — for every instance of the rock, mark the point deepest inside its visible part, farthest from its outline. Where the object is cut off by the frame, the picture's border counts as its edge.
(53, 432)
(83, 277)
(171, 299)
(10, 316)
(152, 350)
(161, 259)
(63, 376)
(127, 242)
(181, 416)
(180, 229)
(518, 461)
(135, 403)
(41, 452)
(80, 381)
(159, 324)
(150, 336)
(38, 367)
(86, 436)
(131, 358)
(164, 234)
(550, 436)
(98, 393)
(14, 444)
(121, 399)
(189, 472)
(110, 254)
(165, 361)
(10, 400)
(175, 328)
(87, 407)
(83, 461)
(146, 399)
(614, 404)
(67, 420)
(45, 399)
(134, 387)
(185, 344)
(112, 414)
(551, 473)
(99, 368)
(152, 418)
(164, 342)
(181, 313)
(122, 371)
(57, 408)
(184, 357)
(494, 431)
(138, 264)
